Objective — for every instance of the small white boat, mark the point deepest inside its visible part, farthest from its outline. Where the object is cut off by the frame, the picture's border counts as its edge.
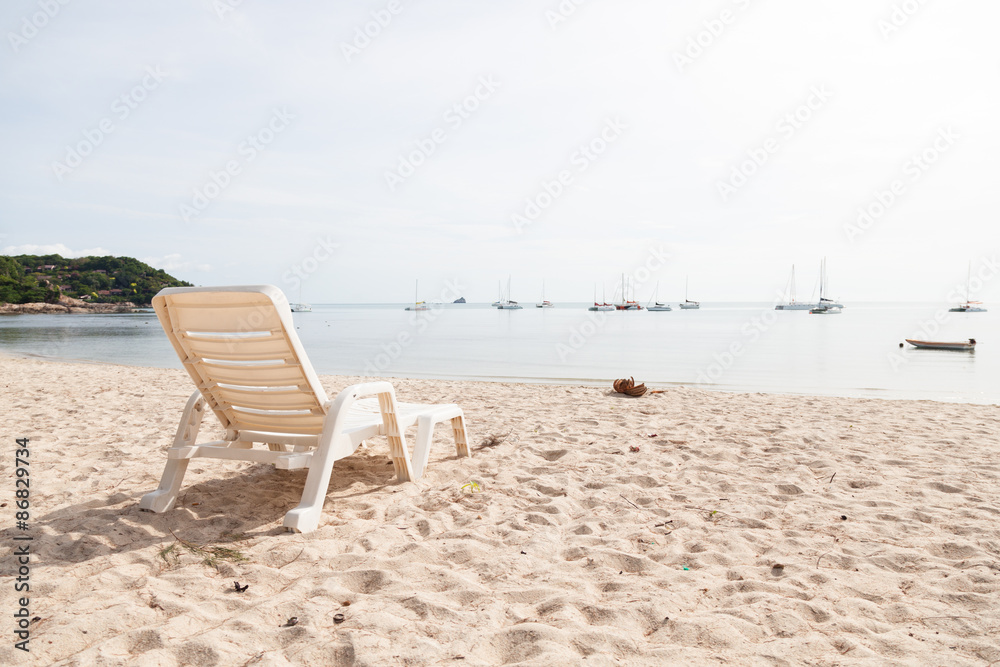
(659, 307)
(418, 305)
(301, 306)
(968, 306)
(688, 303)
(933, 345)
(627, 303)
(544, 303)
(825, 306)
(792, 304)
(603, 306)
(508, 303)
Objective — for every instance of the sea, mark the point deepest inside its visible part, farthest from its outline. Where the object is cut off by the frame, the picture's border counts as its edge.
(746, 347)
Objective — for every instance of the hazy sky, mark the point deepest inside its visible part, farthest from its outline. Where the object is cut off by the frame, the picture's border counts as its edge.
(238, 141)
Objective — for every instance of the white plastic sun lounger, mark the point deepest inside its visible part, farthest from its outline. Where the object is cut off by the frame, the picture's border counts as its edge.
(240, 347)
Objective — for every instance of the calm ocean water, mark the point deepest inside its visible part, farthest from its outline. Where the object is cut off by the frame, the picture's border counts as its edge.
(735, 346)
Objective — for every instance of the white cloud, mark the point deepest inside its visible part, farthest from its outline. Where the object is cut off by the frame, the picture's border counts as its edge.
(174, 262)
(54, 249)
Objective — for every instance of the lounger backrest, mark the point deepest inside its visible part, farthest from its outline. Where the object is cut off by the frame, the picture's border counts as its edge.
(240, 348)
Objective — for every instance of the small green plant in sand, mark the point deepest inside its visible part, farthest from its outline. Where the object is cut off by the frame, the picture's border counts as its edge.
(210, 554)
(472, 486)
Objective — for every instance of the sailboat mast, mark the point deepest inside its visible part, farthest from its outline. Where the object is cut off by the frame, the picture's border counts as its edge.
(968, 284)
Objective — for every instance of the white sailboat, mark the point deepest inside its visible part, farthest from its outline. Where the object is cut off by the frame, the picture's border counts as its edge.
(301, 306)
(626, 303)
(508, 303)
(688, 303)
(825, 306)
(968, 306)
(603, 306)
(792, 304)
(659, 307)
(496, 304)
(417, 303)
(544, 303)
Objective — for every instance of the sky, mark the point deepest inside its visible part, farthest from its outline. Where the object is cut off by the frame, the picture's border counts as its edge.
(345, 151)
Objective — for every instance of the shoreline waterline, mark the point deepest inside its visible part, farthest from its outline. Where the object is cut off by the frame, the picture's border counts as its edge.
(548, 382)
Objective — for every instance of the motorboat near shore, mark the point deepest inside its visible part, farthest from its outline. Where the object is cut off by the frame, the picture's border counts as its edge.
(932, 345)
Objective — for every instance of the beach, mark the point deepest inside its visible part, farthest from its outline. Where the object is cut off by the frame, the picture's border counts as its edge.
(686, 527)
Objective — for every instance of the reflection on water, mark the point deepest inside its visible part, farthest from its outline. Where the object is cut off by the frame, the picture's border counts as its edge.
(745, 347)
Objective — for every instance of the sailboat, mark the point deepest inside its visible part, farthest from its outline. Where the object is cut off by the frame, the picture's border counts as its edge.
(627, 304)
(688, 303)
(792, 303)
(825, 306)
(417, 303)
(301, 306)
(544, 303)
(508, 304)
(968, 306)
(659, 307)
(603, 305)
(496, 304)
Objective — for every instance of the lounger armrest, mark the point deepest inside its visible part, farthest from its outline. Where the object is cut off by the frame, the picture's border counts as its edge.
(364, 389)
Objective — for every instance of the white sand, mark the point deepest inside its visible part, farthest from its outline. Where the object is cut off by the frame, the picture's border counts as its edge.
(576, 551)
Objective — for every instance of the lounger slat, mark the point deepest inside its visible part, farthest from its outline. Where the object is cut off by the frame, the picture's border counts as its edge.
(238, 349)
(256, 376)
(267, 400)
(231, 336)
(278, 423)
(262, 317)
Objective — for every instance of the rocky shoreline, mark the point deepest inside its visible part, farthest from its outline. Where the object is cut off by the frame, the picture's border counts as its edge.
(66, 305)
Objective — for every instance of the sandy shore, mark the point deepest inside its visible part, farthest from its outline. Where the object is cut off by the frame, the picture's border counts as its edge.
(746, 529)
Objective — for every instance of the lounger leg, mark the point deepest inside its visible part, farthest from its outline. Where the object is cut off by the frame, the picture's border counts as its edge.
(305, 517)
(397, 439)
(461, 443)
(422, 446)
(165, 495)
